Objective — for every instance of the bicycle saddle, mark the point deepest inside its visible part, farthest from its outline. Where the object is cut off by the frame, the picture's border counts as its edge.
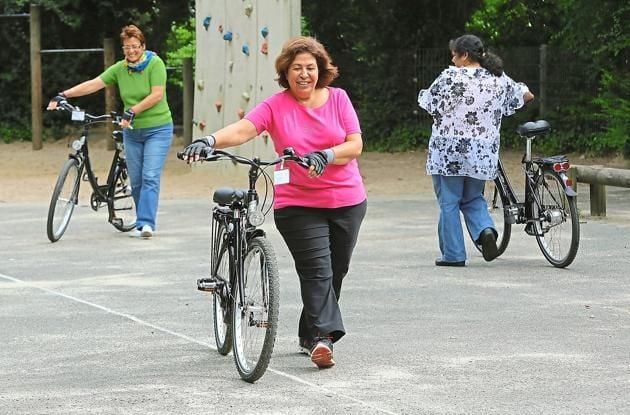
(533, 128)
(228, 195)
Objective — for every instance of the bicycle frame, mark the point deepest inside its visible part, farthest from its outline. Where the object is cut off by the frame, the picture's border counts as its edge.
(524, 212)
(103, 192)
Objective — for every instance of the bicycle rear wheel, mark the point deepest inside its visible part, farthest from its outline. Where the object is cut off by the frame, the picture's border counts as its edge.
(221, 302)
(497, 213)
(64, 198)
(558, 227)
(255, 321)
(120, 202)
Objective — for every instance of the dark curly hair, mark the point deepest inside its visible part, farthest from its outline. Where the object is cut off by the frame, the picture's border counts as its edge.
(472, 45)
(303, 44)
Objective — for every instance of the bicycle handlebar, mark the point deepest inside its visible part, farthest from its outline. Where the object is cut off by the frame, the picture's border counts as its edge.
(287, 154)
(80, 115)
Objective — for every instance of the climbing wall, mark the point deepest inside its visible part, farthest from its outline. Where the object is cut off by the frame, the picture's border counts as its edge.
(237, 44)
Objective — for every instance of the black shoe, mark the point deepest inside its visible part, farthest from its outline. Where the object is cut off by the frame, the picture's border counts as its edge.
(322, 352)
(306, 346)
(441, 263)
(488, 242)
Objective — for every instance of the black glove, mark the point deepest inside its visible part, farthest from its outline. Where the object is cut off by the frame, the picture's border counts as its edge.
(128, 115)
(318, 160)
(60, 97)
(194, 149)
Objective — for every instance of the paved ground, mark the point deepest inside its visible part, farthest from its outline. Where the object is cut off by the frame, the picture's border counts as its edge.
(102, 323)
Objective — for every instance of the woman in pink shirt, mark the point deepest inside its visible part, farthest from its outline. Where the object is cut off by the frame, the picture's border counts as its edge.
(318, 211)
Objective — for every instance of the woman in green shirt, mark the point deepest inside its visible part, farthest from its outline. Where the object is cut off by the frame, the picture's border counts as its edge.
(147, 123)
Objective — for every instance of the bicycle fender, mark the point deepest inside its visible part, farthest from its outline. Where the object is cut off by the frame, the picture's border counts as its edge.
(255, 233)
(569, 191)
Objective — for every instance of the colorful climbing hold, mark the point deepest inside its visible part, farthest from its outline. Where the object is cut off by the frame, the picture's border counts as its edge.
(218, 104)
(264, 31)
(245, 96)
(264, 48)
(249, 9)
(245, 49)
(227, 36)
(241, 113)
(220, 28)
(202, 125)
(200, 84)
(206, 22)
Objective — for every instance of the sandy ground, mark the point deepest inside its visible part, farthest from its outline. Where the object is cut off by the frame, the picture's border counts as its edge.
(29, 176)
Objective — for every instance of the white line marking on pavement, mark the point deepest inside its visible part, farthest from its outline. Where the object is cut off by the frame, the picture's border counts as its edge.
(192, 340)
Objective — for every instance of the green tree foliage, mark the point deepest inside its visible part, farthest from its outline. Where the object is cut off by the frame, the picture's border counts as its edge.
(589, 45)
(374, 43)
(180, 44)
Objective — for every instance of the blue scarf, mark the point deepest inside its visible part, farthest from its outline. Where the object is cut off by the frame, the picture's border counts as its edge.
(141, 64)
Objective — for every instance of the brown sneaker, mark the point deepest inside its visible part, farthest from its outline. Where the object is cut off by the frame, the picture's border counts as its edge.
(322, 353)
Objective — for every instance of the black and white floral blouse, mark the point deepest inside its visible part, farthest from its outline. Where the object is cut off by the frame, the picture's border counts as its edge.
(467, 105)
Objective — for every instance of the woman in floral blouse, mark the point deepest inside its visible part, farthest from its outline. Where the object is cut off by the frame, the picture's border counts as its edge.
(467, 102)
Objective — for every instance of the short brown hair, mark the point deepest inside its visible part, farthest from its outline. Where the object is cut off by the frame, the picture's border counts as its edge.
(303, 44)
(130, 31)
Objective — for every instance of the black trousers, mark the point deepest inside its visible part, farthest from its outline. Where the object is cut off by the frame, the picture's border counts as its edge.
(321, 242)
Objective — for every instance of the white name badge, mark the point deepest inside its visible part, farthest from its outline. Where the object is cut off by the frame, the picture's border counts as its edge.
(281, 176)
(78, 115)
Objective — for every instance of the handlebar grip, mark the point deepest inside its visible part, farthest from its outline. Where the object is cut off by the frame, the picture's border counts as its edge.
(203, 155)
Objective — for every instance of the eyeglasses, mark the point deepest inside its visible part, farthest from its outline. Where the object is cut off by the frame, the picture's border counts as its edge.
(131, 47)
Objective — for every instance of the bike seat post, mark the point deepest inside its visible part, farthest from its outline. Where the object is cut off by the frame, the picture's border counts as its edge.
(528, 149)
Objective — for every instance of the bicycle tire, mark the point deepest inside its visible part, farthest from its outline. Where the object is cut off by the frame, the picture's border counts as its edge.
(221, 301)
(120, 201)
(558, 222)
(255, 323)
(63, 200)
(497, 213)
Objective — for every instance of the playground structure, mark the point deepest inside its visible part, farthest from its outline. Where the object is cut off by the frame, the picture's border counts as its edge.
(237, 43)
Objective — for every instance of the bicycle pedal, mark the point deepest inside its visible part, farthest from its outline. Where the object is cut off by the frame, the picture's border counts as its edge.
(208, 285)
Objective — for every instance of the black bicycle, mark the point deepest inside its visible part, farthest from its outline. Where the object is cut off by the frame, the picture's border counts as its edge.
(244, 275)
(115, 193)
(549, 210)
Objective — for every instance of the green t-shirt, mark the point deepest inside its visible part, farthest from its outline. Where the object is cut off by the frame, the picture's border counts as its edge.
(135, 86)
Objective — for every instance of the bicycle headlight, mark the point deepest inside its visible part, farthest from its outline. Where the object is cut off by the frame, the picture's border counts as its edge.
(255, 218)
(77, 144)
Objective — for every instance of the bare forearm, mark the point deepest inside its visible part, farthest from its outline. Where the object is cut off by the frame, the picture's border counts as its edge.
(84, 88)
(149, 101)
(234, 134)
(349, 150)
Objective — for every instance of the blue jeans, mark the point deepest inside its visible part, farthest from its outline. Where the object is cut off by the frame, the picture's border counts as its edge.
(455, 194)
(146, 150)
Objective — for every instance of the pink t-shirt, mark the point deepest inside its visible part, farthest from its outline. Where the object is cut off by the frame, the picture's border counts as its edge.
(291, 124)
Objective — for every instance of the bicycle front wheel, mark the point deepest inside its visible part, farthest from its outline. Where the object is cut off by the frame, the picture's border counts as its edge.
(221, 303)
(497, 213)
(255, 319)
(120, 202)
(558, 227)
(63, 200)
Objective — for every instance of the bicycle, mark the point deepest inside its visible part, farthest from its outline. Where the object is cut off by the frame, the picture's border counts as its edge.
(115, 193)
(549, 210)
(244, 278)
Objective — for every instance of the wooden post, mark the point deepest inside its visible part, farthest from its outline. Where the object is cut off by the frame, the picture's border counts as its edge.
(36, 78)
(187, 70)
(542, 96)
(109, 57)
(598, 199)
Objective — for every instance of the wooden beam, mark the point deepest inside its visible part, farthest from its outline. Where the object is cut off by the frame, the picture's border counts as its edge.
(36, 78)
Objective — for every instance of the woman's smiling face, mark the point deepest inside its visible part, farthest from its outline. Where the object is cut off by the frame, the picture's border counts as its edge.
(303, 75)
(133, 49)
